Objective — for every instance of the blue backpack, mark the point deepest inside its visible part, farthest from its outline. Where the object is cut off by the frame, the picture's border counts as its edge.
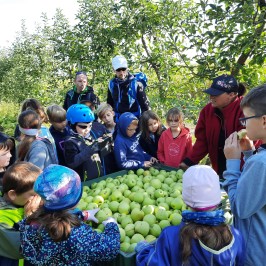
(132, 92)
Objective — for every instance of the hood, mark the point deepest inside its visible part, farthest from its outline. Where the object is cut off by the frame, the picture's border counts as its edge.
(124, 121)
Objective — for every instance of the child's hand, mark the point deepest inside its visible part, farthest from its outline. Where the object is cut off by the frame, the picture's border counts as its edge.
(147, 164)
(90, 215)
(153, 160)
(183, 166)
(109, 220)
(32, 205)
(232, 149)
(246, 144)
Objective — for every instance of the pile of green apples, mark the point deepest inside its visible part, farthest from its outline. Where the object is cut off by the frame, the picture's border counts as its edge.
(143, 202)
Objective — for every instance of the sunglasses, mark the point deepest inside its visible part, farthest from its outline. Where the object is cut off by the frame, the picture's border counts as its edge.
(121, 69)
(84, 126)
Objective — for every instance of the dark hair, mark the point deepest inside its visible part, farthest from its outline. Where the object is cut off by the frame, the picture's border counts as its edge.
(20, 177)
(35, 105)
(58, 224)
(175, 113)
(241, 89)
(214, 237)
(144, 123)
(256, 99)
(28, 119)
(56, 113)
(80, 73)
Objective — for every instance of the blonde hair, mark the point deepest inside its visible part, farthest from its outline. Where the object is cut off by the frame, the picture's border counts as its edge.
(103, 108)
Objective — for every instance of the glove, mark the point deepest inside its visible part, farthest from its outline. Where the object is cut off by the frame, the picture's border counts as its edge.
(109, 220)
(90, 215)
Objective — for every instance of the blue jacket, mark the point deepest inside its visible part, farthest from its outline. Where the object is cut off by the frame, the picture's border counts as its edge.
(247, 195)
(128, 152)
(166, 251)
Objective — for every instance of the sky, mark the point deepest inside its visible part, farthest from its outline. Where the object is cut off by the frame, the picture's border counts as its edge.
(14, 11)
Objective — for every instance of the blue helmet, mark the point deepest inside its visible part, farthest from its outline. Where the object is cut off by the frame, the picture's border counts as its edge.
(79, 113)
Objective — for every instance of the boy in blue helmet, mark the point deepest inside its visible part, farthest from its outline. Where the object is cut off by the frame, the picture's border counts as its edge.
(128, 152)
(82, 152)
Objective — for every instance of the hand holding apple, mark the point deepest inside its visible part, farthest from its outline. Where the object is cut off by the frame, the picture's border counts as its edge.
(89, 215)
(147, 164)
(232, 149)
(153, 160)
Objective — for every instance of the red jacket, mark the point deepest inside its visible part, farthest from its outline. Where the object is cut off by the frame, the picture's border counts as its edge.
(208, 129)
(171, 151)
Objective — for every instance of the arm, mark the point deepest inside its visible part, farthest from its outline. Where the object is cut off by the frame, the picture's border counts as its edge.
(122, 160)
(142, 98)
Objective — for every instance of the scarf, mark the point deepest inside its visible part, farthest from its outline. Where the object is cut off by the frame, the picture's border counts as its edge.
(208, 218)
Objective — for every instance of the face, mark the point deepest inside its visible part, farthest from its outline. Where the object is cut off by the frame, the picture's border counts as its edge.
(5, 156)
(22, 199)
(121, 73)
(255, 126)
(83, 129)
(222, 100)
(173, 123)
(108, 118)
(131, 130)
(59, 126)
(90, 105)
(81, 82)
(153, 125)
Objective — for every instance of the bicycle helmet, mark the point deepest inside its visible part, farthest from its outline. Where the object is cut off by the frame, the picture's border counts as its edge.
(79, 113)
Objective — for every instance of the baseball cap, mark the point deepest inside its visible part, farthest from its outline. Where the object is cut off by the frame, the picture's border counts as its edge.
(89, 97)
(201, 187)
(222, 84)
(59, 187)
(119, 61)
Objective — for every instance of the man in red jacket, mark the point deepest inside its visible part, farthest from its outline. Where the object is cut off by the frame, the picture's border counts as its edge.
(217, 120)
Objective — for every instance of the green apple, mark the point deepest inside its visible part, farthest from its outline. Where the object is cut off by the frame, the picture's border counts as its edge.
(131, 181)
(161, 215)
(101, 216)
(140, 171)
(177, 203)
(168, 180)
(155, 230)
(116, 196)
(150, 238)
(142, 227)
(161, 177)
(164, 204)
(158, 193)
(113, 205)
(130, 230)
(126, 220)
(146, 173)
(134, 205)
(150, 219)
(124, 208)
(148, 209)
(131, 248)
(127, 193)
(164, 223)
(137, 215)
(105, 193)
(138, 197)
(147, 178)
(124, 246)
(148, 201)
(136, 238)
(156, 183)
(98, 200)
(175, 218)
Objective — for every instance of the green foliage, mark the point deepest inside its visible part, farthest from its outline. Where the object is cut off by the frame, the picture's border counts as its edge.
(8, 117)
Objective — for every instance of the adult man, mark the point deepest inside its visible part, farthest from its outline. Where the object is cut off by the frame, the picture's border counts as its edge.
(79, 90)
(125, 93)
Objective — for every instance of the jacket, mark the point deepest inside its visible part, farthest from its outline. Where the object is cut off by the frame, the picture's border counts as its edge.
(83, 247)
(128, 152)
(82, 157)
(41, 153)
(150, 145)
(166, 251)
(72, 97)
(59, 138)
(171, 151)
(121, 101)
(246, 191)
(208, 129)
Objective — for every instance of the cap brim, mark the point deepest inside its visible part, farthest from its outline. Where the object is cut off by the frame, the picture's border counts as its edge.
(214, 92)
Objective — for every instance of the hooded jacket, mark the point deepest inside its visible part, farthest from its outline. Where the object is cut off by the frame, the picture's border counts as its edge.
(166, 251)
(171, 151)
(128, 152)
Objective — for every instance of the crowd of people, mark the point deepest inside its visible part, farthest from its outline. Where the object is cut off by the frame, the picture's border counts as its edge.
(42, 168)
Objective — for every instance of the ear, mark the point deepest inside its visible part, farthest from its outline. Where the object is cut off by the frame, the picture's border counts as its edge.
(12, 195)
(264, 121)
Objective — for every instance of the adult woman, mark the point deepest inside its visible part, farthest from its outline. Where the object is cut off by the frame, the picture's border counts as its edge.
(217, 120)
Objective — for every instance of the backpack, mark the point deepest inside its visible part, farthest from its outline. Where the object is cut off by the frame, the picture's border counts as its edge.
(132, 92)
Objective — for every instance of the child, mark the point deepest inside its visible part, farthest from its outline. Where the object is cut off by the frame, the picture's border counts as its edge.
(11, 143)
(202, 238)
(5, 157)
(81, 151)
(106, 115)
(59, 129)
(91, 100)
(128, 152)
(246, 187)
(151, 129)
(175, 143)
(18, 200)
(56, 234)
(32, 148)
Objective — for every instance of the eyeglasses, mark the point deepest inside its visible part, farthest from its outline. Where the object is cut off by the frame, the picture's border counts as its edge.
(121, 69)
(243, 120)
(84, 126)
